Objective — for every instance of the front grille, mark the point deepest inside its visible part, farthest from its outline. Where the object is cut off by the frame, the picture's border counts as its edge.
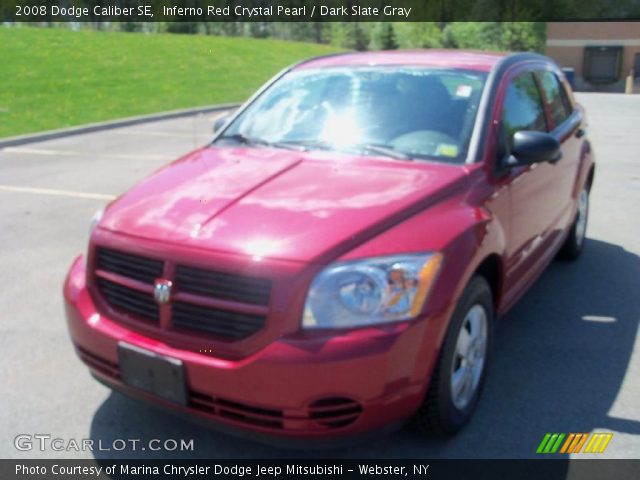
(223, 323)
(128, 265)
(225, 286)
(228, 321)
(128, 300)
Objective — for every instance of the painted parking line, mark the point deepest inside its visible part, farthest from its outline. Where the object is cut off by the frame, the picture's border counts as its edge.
(54, 192)
(41, 151)
(156, 133)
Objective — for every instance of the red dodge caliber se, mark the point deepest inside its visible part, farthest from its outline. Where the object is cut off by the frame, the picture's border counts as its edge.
(335, 260)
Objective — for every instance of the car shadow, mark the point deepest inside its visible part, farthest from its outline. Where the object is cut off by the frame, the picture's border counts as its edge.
(560, 359)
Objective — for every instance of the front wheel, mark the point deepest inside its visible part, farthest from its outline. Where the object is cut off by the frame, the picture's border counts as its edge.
(459, 376)
(574, 243)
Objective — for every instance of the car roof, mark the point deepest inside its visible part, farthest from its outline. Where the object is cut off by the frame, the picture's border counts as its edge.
(462, 59)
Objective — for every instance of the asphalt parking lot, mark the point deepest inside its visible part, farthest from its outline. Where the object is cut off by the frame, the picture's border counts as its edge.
(567, 357)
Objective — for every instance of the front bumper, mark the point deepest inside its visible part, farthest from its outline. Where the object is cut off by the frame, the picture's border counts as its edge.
(309, 385)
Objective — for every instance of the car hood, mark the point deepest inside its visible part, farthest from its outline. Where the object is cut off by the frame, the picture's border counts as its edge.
(277, 203)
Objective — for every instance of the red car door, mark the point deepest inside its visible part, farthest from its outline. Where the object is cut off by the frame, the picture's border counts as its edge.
(533, 189)
(565, 124)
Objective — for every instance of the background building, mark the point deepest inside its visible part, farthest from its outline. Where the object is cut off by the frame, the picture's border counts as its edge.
(602, 54)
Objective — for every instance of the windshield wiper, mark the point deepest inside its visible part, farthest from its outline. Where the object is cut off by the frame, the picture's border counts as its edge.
(304, 145)
(368, 147)
(309, 144)
(384, 150)
(241, 138)
(245, 140)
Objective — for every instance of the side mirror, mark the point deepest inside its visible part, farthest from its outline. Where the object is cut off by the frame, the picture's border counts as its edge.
(529, 147)
(221, 122)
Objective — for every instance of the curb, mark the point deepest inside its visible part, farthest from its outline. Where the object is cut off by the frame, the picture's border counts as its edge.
(108, 125)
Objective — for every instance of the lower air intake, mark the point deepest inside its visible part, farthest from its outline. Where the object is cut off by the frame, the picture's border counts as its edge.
(335, 412)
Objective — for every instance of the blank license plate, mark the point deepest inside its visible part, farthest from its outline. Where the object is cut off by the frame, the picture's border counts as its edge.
(156, 374)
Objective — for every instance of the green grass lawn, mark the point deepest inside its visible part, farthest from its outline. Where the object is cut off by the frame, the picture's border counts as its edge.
(54, 78)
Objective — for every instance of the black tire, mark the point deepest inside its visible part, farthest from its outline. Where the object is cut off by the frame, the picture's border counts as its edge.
(574, 244)
(438, 414)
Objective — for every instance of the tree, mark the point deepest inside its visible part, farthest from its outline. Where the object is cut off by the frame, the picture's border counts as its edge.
(388, 39)
(515, 36)
(259, 29)
(355, 37)
(131, 26)
(182, 27)
(418, 34)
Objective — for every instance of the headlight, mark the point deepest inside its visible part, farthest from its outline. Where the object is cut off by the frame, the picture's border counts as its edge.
(370, 291)
(96, 219)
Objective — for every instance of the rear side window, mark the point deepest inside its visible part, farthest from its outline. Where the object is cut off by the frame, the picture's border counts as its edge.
(522, 108)
(555, 97)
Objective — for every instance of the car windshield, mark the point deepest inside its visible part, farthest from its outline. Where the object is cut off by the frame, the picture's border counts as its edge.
(400, 112)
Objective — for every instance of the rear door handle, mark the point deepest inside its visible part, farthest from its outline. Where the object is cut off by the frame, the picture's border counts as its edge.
(580, 133)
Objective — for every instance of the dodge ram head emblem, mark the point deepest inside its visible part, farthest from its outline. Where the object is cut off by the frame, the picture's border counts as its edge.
(162, 291)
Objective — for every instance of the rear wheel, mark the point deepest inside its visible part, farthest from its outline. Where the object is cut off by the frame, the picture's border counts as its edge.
(574, 243)
(459, 376)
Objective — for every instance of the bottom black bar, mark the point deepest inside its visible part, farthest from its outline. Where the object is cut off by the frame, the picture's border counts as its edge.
(543, 469)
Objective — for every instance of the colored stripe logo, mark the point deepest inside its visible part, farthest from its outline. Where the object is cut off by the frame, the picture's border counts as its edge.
(574, 442)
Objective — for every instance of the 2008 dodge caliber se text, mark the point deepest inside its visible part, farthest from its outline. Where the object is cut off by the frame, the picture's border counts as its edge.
(335, 260)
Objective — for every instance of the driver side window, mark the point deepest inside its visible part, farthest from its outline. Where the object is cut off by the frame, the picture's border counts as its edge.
(522, 110)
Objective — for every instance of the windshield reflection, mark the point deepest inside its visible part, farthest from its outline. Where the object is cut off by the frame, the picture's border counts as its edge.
(391, 111)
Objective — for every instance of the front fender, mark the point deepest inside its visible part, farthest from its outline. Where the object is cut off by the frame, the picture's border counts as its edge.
(466, 235)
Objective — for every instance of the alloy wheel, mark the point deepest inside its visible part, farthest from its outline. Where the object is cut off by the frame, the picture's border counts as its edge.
(469, 357)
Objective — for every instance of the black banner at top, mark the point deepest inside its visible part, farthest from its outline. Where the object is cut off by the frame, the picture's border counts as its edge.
(316, 11)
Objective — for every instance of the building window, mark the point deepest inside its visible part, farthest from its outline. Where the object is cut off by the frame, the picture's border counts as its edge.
(602, 64)
(636, 67)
